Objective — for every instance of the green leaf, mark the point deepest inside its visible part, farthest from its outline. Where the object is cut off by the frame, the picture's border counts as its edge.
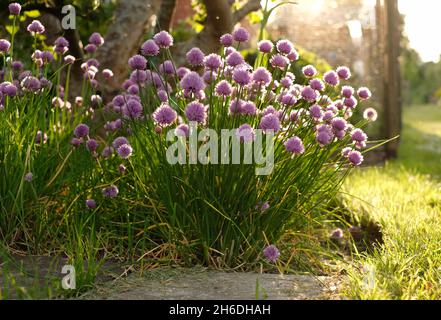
(32, 13)
(11, 30)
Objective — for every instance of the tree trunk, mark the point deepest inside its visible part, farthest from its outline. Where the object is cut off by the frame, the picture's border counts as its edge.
(124, 37)
(166, 15)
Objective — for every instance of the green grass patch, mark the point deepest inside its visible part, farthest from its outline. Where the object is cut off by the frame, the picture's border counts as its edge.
(405, 197)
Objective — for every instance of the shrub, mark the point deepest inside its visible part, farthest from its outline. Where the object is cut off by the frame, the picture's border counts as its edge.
(225, 213)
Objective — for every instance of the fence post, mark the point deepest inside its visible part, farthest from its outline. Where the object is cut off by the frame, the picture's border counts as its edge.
(392, 91)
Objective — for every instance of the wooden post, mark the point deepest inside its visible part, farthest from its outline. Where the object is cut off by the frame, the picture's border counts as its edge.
(392, 93)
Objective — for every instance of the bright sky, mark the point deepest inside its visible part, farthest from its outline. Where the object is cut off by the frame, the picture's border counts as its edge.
(423, 26)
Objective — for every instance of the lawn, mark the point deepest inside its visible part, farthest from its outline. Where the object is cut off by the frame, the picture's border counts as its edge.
(404, 196)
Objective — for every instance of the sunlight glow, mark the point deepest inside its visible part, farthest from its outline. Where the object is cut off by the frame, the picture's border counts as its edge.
(423, 24)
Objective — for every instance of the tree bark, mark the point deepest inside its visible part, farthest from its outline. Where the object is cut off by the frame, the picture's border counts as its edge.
(124, 37)
(220, 20)
(166, 15)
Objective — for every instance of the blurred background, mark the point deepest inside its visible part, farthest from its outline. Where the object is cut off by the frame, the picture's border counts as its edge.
(390, 45)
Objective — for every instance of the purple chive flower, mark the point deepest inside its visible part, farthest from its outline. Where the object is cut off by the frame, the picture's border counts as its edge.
(122, 169)
(137, 76)
(317, 84)
(234, 59)
(92, 145)
(132, 109)
(364, 93)
(345, 152)
(339, 124)
(90, 203)
(309, 94)
(262, 76)
(118, 142)
(248, 108)
(61, 45)
(10, 90)
(286, 82)
(162, 95)
(76, 142)
(195, 57)
(228, 51)
(328, 116)
(110, 192)
(192, 82)
(125, 151)
(270, 122)
(137, 62)
(279, 61)
(40, 137)
(182, 71)
(370, 114)
(226, 40)
(5, 45)
(183, 130)
(81, 130)
(133, 89)
(150, 48)
(209, 76)
(265, 46)
(245, 133)
(90, 48)
(236, 106)
(293, 55)
(324, 137)
(61, 42)
(241, 35)
(358, 135)
(196, 111)
(284, 46)
(164, 115)
(213, 61)
(316, 111)
(347, 91)
(163, 39)
(167, 67)
(14, 8)
(288, 99)
(223, 88)
(35, 27)
(29, 177)
(107, 152)
(295, 115)
(295, 145)
(269, 110)
(96, 39)
(241, 76)
(355, 158)
(337, 234)
(47, 56)
(118, 101)
(17, 65)
(340, 134)
(107, 73)
(331, 78)
(69, 59)
(309, 71)
(350, 102)
(31, 83)
(271, 253)
(344, 72)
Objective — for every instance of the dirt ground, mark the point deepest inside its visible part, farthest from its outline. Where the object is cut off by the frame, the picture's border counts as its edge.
(34, 278)
(203, 284)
